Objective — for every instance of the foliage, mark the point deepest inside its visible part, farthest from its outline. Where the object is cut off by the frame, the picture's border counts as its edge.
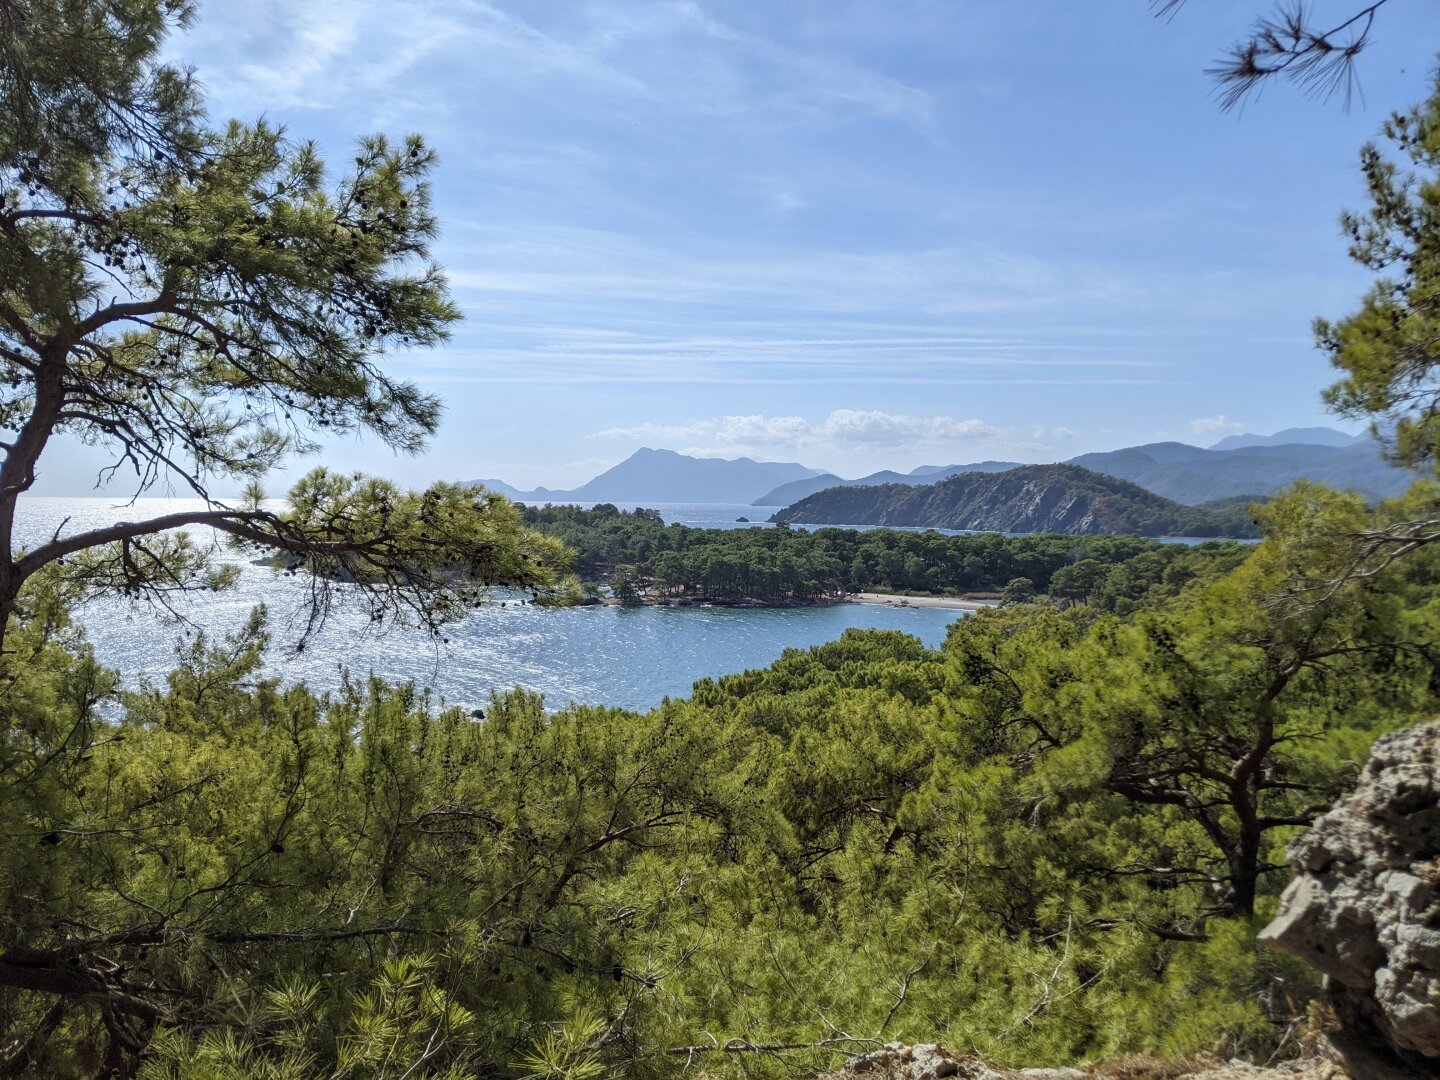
(796, 565)
(1018, 590)
(568, 1053)
(1050, 840)
(203, 302)
(1385, 349)
(81, 82)
(1020, 843)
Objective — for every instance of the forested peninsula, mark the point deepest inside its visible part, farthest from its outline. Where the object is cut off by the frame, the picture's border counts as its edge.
(643, 560)
(1032, 498)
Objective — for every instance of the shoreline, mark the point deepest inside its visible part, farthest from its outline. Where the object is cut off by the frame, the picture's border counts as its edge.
(953, 603)
(892, 600)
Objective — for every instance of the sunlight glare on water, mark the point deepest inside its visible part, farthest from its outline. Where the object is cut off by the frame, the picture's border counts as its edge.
(630, 658)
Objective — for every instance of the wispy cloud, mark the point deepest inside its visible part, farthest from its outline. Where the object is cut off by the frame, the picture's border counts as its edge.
(1216, 425)
(600, 354)
(499, 265)
(841, 431)
(628, 60)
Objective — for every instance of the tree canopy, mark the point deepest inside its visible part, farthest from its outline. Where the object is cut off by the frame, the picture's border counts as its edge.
(1048, 841)
(203, 302)
(783, 565)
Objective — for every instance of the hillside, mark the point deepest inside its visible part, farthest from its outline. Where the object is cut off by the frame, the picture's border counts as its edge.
(1032, 498)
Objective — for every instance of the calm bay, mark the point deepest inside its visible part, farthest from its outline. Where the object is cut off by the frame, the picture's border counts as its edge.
(624, 657)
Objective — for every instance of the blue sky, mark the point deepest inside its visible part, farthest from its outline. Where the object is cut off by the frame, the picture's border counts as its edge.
(858, 235)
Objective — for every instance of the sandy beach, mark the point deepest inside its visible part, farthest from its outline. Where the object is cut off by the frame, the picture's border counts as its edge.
(918, 601)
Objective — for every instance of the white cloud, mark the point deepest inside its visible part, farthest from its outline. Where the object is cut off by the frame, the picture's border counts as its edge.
(876, 428)
(1042, 434)
(1215, 425)
(656, 432)
(842, 430)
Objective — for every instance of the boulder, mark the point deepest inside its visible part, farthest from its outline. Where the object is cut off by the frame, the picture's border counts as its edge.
(1364, 908)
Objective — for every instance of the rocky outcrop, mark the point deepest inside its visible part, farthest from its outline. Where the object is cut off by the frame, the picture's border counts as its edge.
(1364, 908)
(925, 1061)
(930, 1061)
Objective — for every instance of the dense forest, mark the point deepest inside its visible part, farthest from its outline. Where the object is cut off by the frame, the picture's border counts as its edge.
(636, 551)
(1051, 839)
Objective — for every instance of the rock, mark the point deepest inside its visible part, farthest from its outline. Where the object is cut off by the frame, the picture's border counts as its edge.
(929, 1061)
(1364, 907)
(924, 1061)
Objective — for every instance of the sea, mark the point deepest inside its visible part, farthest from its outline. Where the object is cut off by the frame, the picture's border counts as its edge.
(632, 658)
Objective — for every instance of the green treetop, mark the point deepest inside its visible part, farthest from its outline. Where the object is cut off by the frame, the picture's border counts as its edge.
(204, 302)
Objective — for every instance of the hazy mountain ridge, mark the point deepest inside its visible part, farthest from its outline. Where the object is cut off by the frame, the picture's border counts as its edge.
(668, 476)
(1188, 474)
(1192, 475)
(796, 490)
(1031, 498)
(1312, 436)
(1238, 465)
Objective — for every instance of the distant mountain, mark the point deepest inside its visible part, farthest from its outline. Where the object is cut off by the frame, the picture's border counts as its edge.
(1167, 453)
(796, 490)
(666, 476)
(1031, 498)
(538, 495)
(1305, 436)
(1240, 465)
(943, 471)
(1191, 475)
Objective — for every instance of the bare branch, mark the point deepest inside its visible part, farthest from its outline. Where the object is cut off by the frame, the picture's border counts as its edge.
(1285, 44)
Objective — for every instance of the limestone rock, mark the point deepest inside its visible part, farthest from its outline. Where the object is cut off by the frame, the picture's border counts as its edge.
(896, 1061)
(924, 1061)
(1364, 907)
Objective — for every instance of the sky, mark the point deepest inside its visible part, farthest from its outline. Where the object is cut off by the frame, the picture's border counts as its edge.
(859, 235)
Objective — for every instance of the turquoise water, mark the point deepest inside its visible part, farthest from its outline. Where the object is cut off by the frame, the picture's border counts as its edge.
(631, 658)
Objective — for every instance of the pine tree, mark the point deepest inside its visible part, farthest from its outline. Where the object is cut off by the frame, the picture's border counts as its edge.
(203, 302)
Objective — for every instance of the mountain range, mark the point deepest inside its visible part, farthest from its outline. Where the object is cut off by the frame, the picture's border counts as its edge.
(1237, 465)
